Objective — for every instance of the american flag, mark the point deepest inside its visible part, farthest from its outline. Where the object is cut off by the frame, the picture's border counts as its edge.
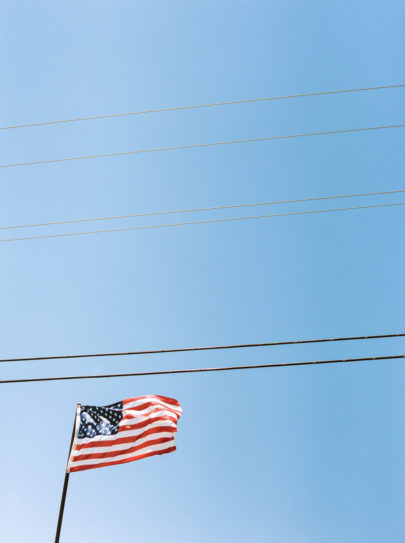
(123, 432)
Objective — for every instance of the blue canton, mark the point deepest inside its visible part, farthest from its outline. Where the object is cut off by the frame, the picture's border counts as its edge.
(99, 421)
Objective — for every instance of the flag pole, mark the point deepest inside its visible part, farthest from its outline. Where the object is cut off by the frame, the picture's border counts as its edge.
(66, 482)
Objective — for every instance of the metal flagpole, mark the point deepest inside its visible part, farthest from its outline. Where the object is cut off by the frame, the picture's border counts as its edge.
(66, 482)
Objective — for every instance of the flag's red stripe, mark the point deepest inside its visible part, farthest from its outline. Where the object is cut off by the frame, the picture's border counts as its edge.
(150, 403)
(129, 439)
(163, 398)
(135, 457)
(156, 413)
(111, 454)
(134, 422)
(133, 412)
(153, 415)
(125, 427)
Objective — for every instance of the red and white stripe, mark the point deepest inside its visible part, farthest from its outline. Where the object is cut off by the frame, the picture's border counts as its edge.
(148, 427)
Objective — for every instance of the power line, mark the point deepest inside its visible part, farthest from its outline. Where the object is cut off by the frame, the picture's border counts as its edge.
(214, 208)
(204, 348)
(201, 370)
(198, 145)
(209, 221)
(199, 106)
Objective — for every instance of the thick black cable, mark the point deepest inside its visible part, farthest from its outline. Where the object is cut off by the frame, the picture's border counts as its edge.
(199, 106)
(206, 348)
(201, 370)
(200, 145)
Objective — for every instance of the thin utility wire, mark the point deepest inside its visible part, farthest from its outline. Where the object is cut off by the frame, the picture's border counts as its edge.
(199, 106)
(230, 219)
(214, 208)
(201, 370)
(198, 145)
(204, 348)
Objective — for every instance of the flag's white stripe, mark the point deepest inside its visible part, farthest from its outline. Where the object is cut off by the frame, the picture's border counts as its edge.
(156, 406)
(137, 403)
(140, 410)
(122, 446)
(162, 415)
(159, 422)
(140, 401)
(151, 448)
(126, 433)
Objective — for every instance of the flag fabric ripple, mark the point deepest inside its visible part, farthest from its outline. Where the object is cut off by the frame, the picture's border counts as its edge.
(122, 432)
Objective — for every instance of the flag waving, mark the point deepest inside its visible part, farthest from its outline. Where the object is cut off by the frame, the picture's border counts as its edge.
(122, 432)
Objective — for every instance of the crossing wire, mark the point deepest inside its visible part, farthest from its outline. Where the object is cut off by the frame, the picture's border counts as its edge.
(189, 223)
(199, 106)
(200, 145)
(205, 348)
(197, 209)
(201, 370)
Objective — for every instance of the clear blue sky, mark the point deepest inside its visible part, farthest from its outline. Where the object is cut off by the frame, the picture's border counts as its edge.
(300, 455)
